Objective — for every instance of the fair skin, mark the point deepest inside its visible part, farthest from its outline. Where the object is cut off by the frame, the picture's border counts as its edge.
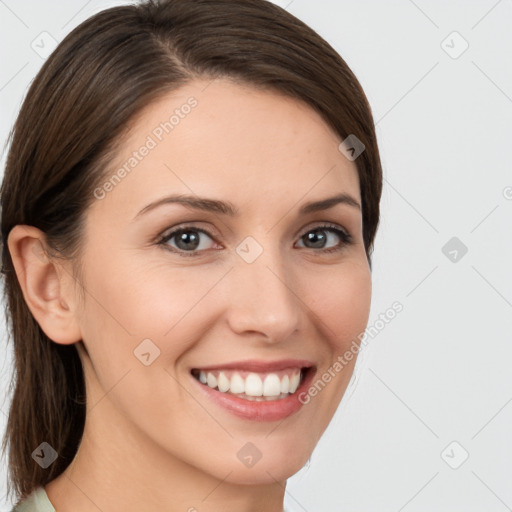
(153, 441)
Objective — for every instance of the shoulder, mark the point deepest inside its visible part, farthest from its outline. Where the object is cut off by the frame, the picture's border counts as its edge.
(37, 501)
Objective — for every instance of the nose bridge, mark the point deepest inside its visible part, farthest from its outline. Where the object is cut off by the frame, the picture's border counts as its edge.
(264, 298)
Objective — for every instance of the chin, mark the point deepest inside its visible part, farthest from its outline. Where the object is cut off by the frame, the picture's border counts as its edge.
(269, 470)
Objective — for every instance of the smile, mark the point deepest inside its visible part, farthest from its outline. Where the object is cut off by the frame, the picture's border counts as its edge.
(254, 386)
(256, 390)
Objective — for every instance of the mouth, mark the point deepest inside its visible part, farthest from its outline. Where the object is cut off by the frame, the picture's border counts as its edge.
(253, 386)
(256, 391)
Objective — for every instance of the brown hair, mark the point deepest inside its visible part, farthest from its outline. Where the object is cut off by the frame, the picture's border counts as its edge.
(77, 109)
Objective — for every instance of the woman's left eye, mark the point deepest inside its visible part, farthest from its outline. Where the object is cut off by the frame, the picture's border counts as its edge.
(312, 236)
(188, 239)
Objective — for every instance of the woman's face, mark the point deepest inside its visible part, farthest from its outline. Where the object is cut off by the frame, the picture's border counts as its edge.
(260, 292)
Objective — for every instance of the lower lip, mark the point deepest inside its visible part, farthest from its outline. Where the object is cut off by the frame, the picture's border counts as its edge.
(273, 410)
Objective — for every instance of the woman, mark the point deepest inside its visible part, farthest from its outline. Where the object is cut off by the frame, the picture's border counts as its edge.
(188, 213)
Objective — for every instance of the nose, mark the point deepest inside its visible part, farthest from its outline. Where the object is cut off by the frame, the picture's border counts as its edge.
(263, 298)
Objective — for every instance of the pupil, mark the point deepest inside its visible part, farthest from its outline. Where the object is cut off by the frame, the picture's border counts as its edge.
(316, 239)
(188, 239)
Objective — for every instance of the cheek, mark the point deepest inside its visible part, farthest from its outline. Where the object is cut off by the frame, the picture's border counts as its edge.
(130, 301)
(141, 297)
(341, 301)
(341, 298)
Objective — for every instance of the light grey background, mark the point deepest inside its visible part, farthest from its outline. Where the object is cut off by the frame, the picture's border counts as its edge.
(440, 371)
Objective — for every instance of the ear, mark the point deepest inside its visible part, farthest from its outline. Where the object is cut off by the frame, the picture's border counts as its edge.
(47, 285)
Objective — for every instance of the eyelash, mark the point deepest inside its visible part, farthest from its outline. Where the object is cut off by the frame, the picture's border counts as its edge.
(346, 239)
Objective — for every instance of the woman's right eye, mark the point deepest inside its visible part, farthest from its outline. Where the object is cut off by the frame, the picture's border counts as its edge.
(187, 241)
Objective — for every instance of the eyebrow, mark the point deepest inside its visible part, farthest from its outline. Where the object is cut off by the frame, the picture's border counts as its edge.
(227, 208)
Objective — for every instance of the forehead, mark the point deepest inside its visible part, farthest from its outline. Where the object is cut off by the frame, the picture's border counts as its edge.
(231, 141)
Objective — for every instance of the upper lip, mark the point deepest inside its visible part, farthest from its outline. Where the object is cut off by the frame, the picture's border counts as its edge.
(259, 365)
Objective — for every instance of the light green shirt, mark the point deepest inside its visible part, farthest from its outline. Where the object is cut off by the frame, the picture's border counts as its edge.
(37, 501)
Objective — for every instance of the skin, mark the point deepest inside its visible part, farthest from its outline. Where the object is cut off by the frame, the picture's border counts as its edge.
(151, 440)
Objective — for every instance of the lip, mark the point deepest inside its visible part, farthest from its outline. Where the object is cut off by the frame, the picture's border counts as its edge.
(258, 365)
(263, 411)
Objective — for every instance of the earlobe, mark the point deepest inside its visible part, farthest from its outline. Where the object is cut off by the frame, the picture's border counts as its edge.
(45, 283)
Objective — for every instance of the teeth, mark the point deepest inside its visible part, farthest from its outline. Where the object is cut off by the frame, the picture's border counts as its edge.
(263, 398)
(223, 382)
(285, 384)
(237, 384)
(272, 385)
(294, 382)
(255, 386)
(211, 380)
